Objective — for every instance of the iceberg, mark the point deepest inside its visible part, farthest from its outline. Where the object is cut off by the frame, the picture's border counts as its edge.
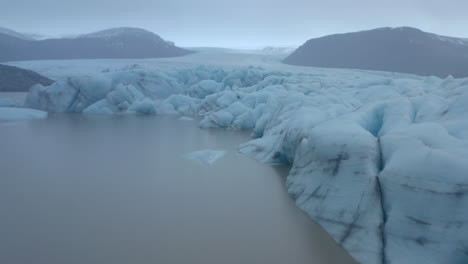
(185, 118)
(20, 114)
(206, 156)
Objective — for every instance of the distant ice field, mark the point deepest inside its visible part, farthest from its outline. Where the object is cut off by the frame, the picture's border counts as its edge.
(228, 58)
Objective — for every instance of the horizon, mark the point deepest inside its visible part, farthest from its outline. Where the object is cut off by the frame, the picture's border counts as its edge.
(296, 45)
(209, 23)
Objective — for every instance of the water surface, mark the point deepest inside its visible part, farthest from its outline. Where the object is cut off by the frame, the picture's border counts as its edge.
(117, 189)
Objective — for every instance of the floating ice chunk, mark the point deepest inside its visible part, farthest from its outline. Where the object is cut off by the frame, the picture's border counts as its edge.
(184, 118)
(206, 156)
(19, 114)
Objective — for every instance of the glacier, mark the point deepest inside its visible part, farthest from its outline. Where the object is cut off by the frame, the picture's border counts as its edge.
(379, 160)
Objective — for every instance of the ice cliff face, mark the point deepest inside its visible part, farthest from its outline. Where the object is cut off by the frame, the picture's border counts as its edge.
(379, 160)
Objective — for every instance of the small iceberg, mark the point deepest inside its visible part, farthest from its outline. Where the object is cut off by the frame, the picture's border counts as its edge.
(184, 118)
(206, 156)
(19, 114)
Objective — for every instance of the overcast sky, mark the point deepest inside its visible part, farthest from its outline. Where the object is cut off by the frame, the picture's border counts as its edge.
(234, 23)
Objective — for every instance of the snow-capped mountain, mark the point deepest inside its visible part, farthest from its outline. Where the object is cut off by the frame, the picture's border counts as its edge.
(403, 49)
(15, 34)
(119, 32)
(114, 43)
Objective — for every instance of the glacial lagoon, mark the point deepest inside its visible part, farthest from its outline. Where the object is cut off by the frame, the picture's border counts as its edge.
(117, 189)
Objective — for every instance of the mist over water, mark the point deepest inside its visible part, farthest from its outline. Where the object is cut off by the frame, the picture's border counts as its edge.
(81, 189)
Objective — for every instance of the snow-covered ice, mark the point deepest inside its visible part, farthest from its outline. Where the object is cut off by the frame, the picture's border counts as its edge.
(380, 160)
(206, 156)
(20, 114)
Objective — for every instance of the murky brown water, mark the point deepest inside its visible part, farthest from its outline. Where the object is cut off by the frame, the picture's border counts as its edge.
(77, 189)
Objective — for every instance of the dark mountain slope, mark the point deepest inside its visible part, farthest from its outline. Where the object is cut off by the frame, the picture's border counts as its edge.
(14, 79)
(406, 50)
(119, 43)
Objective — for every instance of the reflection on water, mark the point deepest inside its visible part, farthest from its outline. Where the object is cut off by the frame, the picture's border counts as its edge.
(77, 189)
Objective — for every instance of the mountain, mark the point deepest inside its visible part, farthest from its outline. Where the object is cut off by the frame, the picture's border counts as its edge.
(14, 79)
(117, 43)
(15, 34)
(404, 49)
(116, 33)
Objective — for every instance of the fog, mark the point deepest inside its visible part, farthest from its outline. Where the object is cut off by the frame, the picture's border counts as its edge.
(241, 23)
